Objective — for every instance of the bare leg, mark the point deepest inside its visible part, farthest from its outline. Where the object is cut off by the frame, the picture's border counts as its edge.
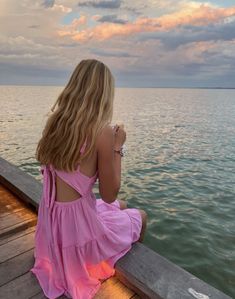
(123, 204)
(144, 216)
(144, 224)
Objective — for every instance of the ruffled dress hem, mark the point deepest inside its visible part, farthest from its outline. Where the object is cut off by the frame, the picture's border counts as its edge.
(65, 291)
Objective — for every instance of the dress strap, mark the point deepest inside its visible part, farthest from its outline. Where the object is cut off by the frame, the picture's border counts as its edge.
(48, 198)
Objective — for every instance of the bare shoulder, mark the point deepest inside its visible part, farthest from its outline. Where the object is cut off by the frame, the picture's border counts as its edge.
(105, 137)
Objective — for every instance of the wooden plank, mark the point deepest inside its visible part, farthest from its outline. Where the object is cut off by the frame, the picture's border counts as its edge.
(20, 183)
(16, 266)
(9, 203)
(14, 215)
(113, 288)
(142, 294)
(10, 212)
(16, 218)
(17, 246)
(110, 288)
(24, 286)
(41, 295)
(16, 235)
(9, 231)
(156, 277)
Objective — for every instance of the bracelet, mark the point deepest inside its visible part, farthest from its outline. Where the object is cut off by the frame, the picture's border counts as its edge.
(120, 152)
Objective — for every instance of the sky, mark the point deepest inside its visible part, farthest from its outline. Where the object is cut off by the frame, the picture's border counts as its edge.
(151, 43)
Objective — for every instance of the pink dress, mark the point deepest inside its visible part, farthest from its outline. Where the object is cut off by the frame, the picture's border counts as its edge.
(77, 243)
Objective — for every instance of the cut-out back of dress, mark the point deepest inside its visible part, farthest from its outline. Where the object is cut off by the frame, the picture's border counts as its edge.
(68, 186)
(70, 194)
(76, 182)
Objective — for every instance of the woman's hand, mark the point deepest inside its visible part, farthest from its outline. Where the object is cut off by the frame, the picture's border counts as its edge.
(119, 136)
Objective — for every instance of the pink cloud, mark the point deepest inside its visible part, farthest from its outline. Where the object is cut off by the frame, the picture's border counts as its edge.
(73, 27)
(201, 15)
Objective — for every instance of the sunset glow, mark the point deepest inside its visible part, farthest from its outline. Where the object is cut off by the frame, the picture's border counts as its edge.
(155, 43)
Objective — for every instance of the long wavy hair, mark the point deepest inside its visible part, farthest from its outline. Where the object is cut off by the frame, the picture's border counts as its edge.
(81, 111)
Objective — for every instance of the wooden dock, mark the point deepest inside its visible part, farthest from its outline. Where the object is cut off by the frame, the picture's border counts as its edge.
(141, 273)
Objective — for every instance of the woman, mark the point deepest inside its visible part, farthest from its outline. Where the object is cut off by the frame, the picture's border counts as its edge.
(78, 237)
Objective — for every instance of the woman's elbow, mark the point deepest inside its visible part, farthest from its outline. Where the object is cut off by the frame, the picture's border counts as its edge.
(110, 197)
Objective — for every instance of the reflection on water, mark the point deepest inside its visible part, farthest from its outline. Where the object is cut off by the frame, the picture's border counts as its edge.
(180, 167)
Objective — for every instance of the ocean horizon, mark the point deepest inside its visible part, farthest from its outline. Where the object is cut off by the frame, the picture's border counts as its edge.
(142, 87)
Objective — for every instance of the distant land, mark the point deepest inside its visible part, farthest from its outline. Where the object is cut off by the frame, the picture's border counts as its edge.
(165, 87)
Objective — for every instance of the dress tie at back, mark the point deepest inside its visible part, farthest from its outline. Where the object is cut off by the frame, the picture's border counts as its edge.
(49, 199)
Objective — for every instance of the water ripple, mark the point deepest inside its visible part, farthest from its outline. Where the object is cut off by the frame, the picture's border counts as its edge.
(179, 168)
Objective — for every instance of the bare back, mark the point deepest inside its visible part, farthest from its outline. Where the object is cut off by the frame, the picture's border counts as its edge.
(64, 192)
(101, 161)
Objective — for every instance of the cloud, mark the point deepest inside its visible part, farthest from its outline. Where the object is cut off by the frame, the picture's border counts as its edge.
(111, 19)
(34, 26)
(73, 27)
(189, 34)
(151, 43)
(19, 50)
(31, 74)
(79, 21)
(112, 53)
(199, 16)
(61, 8)
(29, 15)
(133, 10)
(48, 3)
(111, 4)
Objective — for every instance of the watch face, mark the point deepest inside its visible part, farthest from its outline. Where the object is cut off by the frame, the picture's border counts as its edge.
(123, 150)
(124, 147)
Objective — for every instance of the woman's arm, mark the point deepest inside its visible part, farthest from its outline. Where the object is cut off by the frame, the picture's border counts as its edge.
(109, 163)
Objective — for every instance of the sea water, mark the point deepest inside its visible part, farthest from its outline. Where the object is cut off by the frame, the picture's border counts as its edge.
(179, 168)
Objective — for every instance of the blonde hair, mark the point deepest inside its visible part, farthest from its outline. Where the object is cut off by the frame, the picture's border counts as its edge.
(84, 108)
